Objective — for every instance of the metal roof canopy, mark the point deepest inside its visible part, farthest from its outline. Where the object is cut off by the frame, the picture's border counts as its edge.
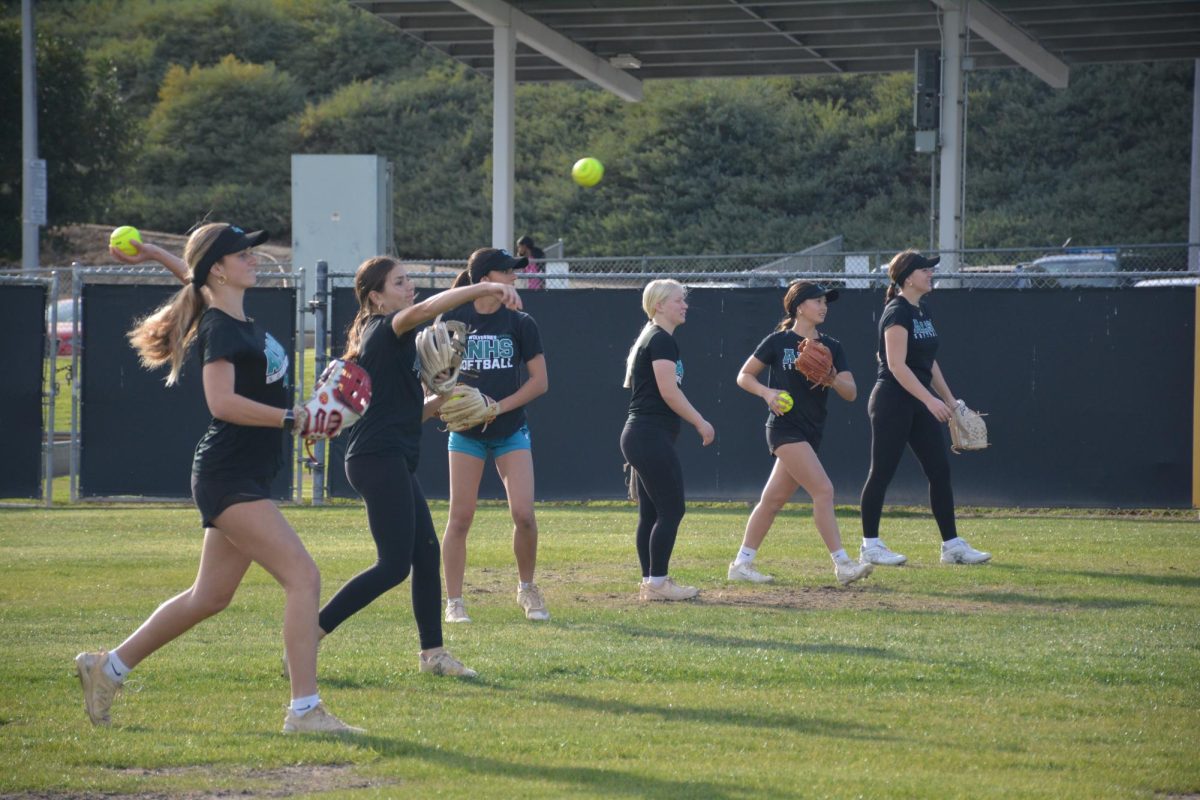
(739, 38)
(609, 41)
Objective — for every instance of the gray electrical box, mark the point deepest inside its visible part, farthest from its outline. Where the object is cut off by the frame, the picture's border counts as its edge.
(341, 212)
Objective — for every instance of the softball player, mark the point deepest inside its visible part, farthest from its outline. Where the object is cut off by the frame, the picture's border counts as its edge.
(502, 343)
(904, 410)
(245, 384)
(383, 448)
(794, 435)
(654, 373)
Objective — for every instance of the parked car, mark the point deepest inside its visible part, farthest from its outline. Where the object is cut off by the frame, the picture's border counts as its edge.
(1178, 280)
(991, 276)
(1047, 269)
(64, 333)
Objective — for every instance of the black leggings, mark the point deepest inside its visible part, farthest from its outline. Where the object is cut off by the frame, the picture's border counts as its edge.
(650, 450)
(897, 419)
(404, 539)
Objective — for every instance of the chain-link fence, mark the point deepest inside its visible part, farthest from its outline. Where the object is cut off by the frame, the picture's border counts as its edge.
(1110, 266)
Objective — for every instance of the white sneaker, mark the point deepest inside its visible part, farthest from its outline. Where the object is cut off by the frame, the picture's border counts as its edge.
(456, 612)
(442, 663)
(957, 551)
(850, 571)
(878, 553)
(98, 689)
(668, 591)
(317, 720)
(532, 602)
(747, 572)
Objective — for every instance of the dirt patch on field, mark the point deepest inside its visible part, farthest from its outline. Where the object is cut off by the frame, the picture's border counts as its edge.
(242, 783)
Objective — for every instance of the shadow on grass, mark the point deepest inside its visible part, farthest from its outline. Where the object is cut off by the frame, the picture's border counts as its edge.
(736, 642)
(572, 778)
(1181, 581)
(1020, 599)
(762, 721)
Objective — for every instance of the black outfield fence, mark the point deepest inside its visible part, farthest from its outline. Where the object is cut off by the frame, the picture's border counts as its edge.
(138, 435)
(23, 348)
(1071, 423)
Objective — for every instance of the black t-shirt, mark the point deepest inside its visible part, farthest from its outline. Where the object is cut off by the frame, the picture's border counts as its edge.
(778, 351)
(260, 367)
(646, 403)
(499, 346)
(922, 340)
(392, 424)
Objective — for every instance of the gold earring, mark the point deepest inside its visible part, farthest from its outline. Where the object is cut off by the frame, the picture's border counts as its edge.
(221, 279)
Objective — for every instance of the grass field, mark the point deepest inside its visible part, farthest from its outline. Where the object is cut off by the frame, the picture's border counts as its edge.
(1067, 668)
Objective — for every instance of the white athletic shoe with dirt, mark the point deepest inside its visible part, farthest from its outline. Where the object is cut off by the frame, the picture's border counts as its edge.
(531, 601)
(98, 689)
(878, 553)
(317, 720)
(957, 551)
(456, 611)
(747, 572)
(850, 571)
(442, 663)
(669, 590)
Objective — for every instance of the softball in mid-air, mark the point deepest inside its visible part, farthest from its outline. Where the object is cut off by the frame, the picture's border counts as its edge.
(587, 171)
(121, 238)
(785, 402)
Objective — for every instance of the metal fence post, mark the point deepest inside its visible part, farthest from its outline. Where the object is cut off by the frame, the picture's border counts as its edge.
(76, 385)
(319, 305)
(52, 393)
(301, 333)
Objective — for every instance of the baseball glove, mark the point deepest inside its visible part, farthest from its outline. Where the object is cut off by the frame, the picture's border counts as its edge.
(467, 408)
(968, 431)
(339, 399)
(440, 349)
(815, 362)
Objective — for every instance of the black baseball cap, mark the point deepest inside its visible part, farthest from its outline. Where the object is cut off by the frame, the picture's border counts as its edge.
(229, 241)
(498, 260)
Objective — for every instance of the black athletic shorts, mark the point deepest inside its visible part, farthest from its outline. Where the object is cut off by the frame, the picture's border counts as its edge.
(777, 437)
(213, 496)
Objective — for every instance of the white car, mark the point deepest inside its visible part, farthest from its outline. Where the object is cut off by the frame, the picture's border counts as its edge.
(1179, 280)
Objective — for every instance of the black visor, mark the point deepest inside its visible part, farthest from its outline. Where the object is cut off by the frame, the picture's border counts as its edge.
(919, 262)
(498, 260)
(229, 241)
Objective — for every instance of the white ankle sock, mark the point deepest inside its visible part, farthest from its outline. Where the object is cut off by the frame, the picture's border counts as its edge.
(451, 600)
(876, 542)
(839, 555)
(745, 555)
(302, 705)
(524, 585)
(115, 668)
(657, 582)
(949, 542)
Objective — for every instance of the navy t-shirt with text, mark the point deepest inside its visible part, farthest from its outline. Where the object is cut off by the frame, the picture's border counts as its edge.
(498, 348)
(392, 424)
(646, 403)
(228, 451)
(922, 340)
(778, 351)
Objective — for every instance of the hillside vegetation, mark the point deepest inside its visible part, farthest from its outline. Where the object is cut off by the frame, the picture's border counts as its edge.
(158, 113)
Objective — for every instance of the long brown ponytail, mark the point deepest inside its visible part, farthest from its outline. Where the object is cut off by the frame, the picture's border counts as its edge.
(164, 336)
(371, 276)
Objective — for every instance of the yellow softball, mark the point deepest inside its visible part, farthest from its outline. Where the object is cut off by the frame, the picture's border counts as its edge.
(587, 171)
(121, 238)
(785, 402)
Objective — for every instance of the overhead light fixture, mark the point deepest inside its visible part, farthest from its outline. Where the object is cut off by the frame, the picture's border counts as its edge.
(625, 61)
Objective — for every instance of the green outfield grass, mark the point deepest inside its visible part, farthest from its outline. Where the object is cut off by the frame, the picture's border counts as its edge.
(1069, 667)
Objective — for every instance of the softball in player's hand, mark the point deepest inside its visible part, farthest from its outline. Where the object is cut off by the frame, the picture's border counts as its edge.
(782, 403)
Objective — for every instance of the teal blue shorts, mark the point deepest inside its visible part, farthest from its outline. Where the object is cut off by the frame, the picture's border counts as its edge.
(480, 448)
